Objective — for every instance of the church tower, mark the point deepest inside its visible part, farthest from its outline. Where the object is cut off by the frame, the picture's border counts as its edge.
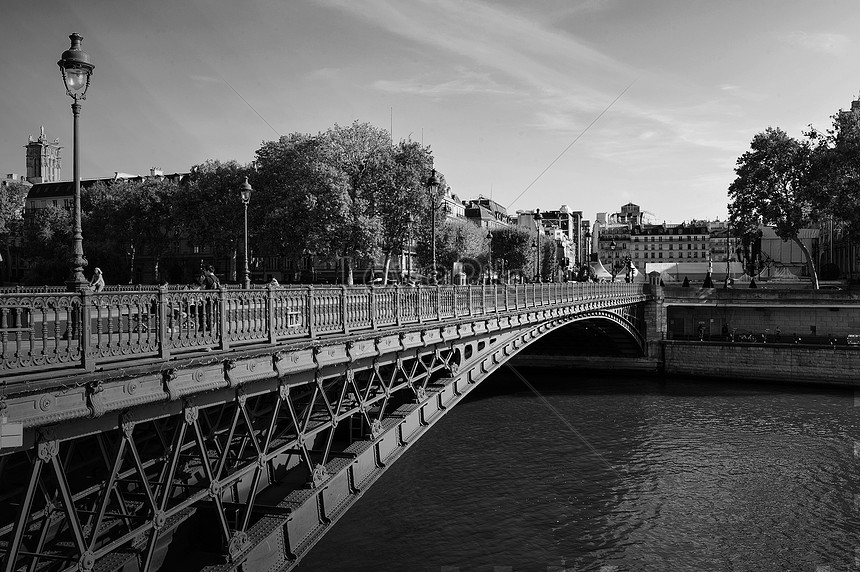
(43, 159)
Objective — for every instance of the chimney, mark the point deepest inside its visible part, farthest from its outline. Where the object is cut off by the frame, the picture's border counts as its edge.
(156, 172)
(855, 105)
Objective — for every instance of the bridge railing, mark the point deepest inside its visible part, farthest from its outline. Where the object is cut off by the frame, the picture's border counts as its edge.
(47, 330)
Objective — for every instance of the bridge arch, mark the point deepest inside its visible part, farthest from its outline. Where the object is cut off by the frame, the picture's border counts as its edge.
(310, 409)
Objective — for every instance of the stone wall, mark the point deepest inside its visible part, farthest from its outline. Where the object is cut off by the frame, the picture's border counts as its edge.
(767, 362)
(811, 321)
(805, 313)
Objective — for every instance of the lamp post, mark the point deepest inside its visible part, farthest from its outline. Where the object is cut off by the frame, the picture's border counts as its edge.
(586, 250)
(432, 190)
(76, 69)
(489, 257)
(246, 198)
(409, 221)
(537, 222)
(612, 247)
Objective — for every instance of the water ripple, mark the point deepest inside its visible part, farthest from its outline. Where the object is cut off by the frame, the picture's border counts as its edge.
(707, 476)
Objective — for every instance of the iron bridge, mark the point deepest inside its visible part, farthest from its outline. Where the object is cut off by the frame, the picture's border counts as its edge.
(175, 429)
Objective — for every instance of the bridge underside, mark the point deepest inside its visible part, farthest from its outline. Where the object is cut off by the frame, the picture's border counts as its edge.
(592, 337)
(252, 459)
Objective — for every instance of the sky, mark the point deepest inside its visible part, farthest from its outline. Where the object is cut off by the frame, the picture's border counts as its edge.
(586, 103)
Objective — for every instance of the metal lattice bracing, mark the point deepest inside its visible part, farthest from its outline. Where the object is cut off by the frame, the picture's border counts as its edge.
(246, 454)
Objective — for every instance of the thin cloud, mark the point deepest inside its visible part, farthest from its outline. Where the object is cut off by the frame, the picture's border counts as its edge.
(324, 74)
(822, 42)
(466, 83)
(540, 59)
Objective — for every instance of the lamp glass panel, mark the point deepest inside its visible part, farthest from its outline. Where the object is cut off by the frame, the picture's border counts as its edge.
(76, 79)
(246, 196)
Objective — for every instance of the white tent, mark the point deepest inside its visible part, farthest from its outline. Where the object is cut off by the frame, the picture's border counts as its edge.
(781, 273)
(600, 271)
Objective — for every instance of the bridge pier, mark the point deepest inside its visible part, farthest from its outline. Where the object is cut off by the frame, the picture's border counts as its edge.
(655, 320)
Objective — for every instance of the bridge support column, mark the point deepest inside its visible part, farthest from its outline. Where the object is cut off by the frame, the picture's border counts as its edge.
(655, 319)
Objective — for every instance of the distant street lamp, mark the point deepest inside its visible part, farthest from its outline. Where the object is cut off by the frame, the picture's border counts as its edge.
(77, 70)
(432, 190)
(489, 257)
(586, 251)
(409, 222)
(537, 221)
(246, 198)
(612, 247)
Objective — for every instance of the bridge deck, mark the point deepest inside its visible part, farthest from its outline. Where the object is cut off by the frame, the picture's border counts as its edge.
(49, 335)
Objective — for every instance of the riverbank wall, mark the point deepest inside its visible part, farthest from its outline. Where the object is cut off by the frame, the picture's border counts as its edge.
(762, 362)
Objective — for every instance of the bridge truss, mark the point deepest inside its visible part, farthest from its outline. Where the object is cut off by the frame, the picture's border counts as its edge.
(242, 460)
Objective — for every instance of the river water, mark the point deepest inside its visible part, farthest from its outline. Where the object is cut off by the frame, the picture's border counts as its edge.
(627, 473)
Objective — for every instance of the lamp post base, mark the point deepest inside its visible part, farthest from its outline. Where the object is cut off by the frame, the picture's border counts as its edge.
(77, 283)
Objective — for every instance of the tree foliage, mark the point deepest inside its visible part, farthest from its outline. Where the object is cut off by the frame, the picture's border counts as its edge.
(769, 189)
(345, 193)
(209, 208)
(125, 219)
(12, 196)
(834, 174)
(512, 249)
(49, 239)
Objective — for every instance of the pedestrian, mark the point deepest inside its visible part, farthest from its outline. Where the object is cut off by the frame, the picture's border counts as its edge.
(210, 281)
(686, 283)
(98, 281)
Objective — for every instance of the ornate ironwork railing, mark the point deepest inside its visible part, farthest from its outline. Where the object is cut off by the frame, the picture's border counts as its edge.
(51, 330)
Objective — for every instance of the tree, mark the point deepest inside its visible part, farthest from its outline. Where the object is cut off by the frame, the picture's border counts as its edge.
(48, 237)
(460, 241)
(363, 154)
(345, 193)
(834, 174)
(404, 193)
(12, 196)
(106, 229)
(301, 199)
(550, 263)
(768, 189)
(512, 248)
(209, 209)
(124, 219)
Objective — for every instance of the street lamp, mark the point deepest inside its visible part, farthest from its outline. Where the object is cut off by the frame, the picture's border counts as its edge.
(537, 221)
(246, 198)
(612, 247)
(76, 69)
(489, 257)
(409, 221)
(432, 190)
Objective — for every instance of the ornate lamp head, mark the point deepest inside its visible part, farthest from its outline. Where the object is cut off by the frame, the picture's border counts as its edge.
(76, 69)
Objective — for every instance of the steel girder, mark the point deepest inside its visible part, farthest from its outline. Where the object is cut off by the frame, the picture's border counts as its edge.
(250, 466)
(104, 500)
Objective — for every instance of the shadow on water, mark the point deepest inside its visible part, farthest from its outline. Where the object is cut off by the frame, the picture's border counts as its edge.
(591, 382)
